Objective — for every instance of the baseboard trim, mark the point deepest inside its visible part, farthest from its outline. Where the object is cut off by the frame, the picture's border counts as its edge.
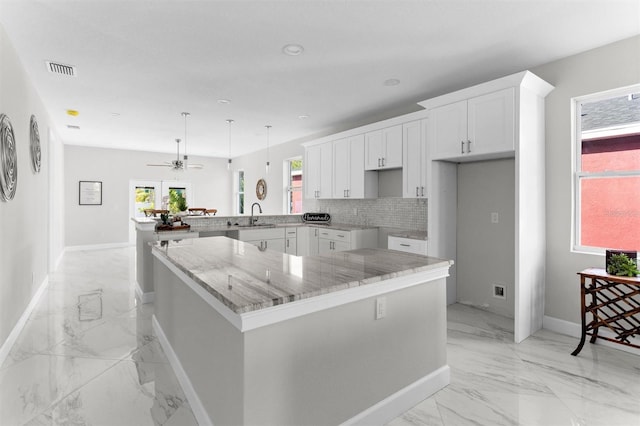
(97, 246)
(574, 330)
(403, 400)
(22, 321)
(194, 402)
(147, 297)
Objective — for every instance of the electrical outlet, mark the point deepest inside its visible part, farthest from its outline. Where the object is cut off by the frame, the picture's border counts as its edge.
(381, 307)
(495, 218)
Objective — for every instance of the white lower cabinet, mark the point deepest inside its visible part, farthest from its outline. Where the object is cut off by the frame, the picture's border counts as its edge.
(408, 245)
(340, 240)
(291, 241)
(307, 239)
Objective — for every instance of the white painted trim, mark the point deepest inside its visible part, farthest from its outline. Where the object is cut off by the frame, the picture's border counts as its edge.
(260, 318)
(98, 246)
(22, 321)
(147, 297)
(192, 397)
(574, 330)
(403, 400)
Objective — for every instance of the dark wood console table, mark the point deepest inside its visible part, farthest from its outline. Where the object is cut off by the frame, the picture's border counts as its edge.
(614, 303)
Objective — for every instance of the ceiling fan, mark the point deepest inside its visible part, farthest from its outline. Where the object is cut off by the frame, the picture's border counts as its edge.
(178, 164)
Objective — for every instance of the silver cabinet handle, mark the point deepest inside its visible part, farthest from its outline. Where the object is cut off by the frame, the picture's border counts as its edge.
(340, 235)
(405, 245)
(378, 162)
(265, 245)
(468, 146)
(287, 243)
(416, 191)
(461, 147)
(422, 191)
(383, 161)
(315, 232)
(348, 193)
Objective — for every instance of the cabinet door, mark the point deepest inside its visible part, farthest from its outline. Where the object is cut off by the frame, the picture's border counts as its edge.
(341, 246)
(414, 163)
(291, 246)
(275, 245)
(358, 177)
(313, 241)
(392, 144)
(324, 245)
(373, 150)
(341, 172)
(448, 130)
(492, 123)
(312, 172)
(326, 170)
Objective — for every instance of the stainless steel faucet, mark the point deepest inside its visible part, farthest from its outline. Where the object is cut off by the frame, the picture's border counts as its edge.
(253, 221)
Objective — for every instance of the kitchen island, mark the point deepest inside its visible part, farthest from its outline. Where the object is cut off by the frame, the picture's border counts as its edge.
(262, 337)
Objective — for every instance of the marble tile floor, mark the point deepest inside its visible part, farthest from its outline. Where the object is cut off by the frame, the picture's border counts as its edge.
(88, 356)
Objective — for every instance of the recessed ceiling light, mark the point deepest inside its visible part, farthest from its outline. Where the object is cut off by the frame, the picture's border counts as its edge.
(303, 117)
(224, 101)
(115, 114)
(72, 112)
(391, 82)
(71, 126)
(292, 49)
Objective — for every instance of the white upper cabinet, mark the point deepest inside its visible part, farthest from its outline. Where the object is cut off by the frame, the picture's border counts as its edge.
(383, 148)
(318, 171)
(478, 128)
(414, 151)
(350, 180)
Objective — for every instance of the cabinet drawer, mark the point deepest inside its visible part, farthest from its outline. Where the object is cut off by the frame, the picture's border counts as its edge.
(291, 232)
(408, 245)
(260, 234)
(336, 234)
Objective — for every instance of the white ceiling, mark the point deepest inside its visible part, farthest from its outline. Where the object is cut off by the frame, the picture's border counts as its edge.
(140, 63)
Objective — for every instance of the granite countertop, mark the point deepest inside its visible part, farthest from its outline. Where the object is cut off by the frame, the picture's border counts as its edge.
(413, 235)
(246, 279)
(224, 227)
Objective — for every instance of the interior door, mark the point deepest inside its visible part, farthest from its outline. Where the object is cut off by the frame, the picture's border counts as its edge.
(143, 194)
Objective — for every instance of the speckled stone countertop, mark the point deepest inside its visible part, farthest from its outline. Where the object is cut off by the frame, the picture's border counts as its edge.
(246, 279)
(414, 235)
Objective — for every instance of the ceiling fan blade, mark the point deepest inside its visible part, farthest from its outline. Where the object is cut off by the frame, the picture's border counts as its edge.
(195, 166)
(159, 165)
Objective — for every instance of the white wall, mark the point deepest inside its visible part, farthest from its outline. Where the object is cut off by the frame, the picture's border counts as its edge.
(24, 221)
(485, 254)
(612, 66)
(254, 168)
(109, 223)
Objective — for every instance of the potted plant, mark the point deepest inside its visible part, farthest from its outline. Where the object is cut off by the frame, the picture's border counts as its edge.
(622, 265)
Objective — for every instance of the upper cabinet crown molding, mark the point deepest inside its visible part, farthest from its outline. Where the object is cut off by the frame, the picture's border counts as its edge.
(524, 79)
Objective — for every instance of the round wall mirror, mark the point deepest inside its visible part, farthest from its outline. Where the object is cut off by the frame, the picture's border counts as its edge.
(261, 189)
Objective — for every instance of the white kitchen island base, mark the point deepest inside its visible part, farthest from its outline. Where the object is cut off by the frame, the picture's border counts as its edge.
(334, 364)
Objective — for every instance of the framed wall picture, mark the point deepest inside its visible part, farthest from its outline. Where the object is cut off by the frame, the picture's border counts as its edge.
(90, 193)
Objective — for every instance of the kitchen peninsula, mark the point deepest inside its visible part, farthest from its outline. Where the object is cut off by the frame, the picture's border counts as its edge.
(262, 337)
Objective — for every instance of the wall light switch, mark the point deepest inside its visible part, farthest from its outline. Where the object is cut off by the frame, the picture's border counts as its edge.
(495, 218)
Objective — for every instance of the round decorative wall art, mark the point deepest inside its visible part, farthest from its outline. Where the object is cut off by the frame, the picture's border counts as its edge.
(8, 160)
(34, 137)
(261, 189)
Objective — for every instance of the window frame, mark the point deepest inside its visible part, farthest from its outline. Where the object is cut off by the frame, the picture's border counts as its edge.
(288, 188)
(576, 155)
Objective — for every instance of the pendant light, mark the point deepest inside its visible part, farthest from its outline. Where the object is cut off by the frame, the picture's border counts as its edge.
(267, 165)
(186, 157)
(229, 121)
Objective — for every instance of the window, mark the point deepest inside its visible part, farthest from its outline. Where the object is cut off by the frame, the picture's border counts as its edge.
(607, 165)
(145, 198)
(293, 175)
(240, 193)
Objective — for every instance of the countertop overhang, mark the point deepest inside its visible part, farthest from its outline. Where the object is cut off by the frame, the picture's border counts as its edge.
(253, 288)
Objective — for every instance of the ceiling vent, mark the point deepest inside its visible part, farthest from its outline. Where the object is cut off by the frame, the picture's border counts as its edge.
(57, 68)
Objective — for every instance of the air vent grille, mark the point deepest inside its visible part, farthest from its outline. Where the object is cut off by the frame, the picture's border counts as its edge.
(71, 126)
(57, 68)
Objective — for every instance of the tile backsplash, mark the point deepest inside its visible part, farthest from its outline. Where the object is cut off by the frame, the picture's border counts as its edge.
(389, 212)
